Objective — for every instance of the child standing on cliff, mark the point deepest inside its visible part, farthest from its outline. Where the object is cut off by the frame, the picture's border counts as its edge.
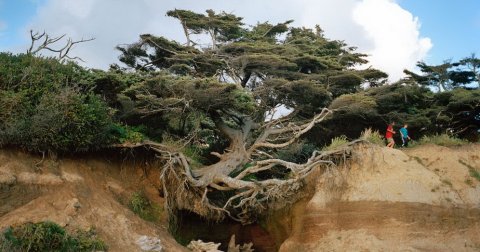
(389, 135)
(405, 136)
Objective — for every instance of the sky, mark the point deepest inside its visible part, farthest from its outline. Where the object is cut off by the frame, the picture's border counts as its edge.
(394, 33)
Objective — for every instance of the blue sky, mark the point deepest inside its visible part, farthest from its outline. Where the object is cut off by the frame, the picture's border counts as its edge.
(396, 33)
(453, 26)
(15, 15)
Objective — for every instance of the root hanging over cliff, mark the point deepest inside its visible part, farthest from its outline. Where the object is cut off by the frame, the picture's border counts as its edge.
(233, 187)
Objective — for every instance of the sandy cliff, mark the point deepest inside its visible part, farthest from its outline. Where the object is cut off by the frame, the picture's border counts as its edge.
(420, 199)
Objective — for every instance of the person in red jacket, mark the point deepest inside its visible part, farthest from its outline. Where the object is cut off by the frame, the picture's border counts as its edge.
(389, 135)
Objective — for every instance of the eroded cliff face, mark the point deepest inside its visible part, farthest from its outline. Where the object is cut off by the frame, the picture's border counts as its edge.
(420, 199)
(81, 193)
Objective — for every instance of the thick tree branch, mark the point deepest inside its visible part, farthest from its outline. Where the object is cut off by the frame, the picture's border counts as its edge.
(278, 129)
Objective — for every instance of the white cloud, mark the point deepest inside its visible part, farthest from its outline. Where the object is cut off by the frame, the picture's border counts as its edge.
(397, 44)
(378, 27)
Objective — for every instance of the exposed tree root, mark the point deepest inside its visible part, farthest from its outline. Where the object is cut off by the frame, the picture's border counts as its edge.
(227, 188)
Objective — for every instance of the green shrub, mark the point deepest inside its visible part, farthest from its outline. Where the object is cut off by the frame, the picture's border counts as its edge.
(127, 134)
(443, 140)
(61, 122)
(48, 236)
(49, 106)
(68, 121)
(37, 75)
(143, 207)
(336, 142)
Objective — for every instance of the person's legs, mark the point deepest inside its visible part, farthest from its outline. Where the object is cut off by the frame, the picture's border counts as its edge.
(404, 142)
(391, 143)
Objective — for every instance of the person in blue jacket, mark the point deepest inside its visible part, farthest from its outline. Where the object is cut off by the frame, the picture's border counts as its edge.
(404, 135)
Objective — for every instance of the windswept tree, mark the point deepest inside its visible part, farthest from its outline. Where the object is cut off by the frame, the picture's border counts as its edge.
(472, 65)
(217, 98)
(447, 75)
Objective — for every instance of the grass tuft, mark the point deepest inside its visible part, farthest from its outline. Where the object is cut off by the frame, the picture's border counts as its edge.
(336, 142)
(473, 172)
(443, 140)
(372, 136)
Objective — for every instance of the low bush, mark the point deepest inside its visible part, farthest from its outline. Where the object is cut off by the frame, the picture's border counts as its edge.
(127, 134)
(48, 237)
(63, 121)
(143, 207)
(47, 105)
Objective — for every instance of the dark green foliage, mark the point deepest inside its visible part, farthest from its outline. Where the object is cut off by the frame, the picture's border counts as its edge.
(129, 134)
(448, 75)
(61, 121)
(181, 106)
(297, 153)
(69, 121)
(279, 64)
(111, 83)
(34, 75)
(167, 93)
(459, 113)
(49, 237)
(426, 113)
(49, 106)
(181, 92)
(293, 94)
(220, 26)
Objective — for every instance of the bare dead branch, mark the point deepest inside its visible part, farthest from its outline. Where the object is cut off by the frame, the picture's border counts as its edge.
(49, 43)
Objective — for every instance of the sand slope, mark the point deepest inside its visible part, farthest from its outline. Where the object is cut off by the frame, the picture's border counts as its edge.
(420, 199)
